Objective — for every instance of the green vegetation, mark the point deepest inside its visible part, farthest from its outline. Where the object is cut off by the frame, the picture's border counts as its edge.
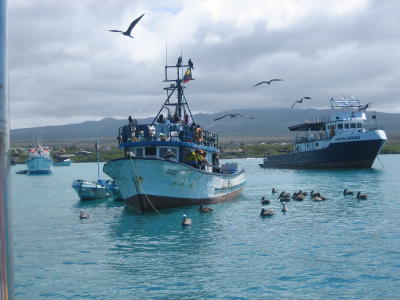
(229, 150)
(391, 148)
(260, 150)
(106, 155)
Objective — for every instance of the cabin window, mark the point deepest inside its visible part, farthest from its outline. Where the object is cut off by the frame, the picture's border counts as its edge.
(316, 144)
(151, 151)
(352, 125)
(359, 125)
(346, 126)
(139, 152)
(340, 126)
(163, 151)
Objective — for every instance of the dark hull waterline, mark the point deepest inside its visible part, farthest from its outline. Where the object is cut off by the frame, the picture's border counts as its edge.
(360, 154)
(148, 202)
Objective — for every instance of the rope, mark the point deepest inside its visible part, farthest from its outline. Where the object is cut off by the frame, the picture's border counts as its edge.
(147, 198)
(380, 161)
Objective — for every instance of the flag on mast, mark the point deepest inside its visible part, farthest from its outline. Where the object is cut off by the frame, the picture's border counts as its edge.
(187, 76)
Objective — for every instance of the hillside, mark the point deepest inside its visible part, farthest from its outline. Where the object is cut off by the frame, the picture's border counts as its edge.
(267, 124)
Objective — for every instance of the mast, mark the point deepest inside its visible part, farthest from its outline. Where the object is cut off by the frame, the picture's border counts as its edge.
(6, 258)
(175, 85)
(98, 159)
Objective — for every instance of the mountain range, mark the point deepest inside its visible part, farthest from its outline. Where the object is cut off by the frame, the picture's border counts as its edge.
(268, 124)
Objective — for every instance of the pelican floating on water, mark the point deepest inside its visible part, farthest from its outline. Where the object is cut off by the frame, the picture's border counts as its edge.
(186, 221)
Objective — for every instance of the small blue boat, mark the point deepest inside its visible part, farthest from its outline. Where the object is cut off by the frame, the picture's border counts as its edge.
(62, 160)
(99, 189)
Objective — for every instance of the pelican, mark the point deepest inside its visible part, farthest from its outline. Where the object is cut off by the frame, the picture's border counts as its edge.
(268, 82)
(347, 192)
(298, 196)
(186, 222)
(264, 201)
(128, 31)
(205, 209)
(283, 196)
(83, 215)
(362, 195)
(299, 101)
(317, 197)
(233, 116)
(266, 212)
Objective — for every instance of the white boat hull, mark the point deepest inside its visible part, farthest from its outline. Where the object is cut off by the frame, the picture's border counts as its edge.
(39, 165)
(158, 183)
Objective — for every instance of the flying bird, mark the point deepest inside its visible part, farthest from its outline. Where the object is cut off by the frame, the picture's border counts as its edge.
(364, 107)
(268, 82)
(128, 31)
(299, 101)
(190, 63)
(233, 116)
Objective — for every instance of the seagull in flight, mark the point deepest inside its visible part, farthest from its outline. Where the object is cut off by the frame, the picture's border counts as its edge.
(299, 101)
(268, 82)
(128, 31)
(233, 116)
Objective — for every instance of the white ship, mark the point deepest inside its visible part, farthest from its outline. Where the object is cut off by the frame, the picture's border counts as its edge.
(342, 140)
(39, 160)
(161, 168)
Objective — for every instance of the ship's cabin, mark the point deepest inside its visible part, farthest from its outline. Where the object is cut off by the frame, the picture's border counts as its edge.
(349, 120)
(177, 142)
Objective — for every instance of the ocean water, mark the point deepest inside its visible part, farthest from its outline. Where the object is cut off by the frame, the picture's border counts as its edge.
(340, 248)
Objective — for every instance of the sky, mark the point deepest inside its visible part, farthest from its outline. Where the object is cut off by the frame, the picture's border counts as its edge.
(66, 67)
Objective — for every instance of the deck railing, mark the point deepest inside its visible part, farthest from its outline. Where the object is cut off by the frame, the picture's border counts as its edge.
(166, 132)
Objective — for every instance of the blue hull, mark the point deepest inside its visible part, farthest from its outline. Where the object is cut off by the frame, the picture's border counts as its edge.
(39, 165)
(360, 154)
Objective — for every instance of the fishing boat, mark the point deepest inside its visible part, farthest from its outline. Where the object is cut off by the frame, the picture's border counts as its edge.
(344, 139)
(172, 161)
(61, 160)
(98, 189)
(39, 160)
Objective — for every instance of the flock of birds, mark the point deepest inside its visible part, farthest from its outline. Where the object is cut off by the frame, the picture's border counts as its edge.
(283, 197)
(128, 33)
(268, 82)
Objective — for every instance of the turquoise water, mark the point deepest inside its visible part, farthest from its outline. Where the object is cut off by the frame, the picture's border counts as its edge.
(336, 249)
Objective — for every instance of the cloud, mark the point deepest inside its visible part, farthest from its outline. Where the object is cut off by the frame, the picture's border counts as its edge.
(66, 67)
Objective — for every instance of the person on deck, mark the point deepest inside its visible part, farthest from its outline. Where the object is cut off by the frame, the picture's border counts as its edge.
(201, 159)
(191, 159)
(198, 134)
